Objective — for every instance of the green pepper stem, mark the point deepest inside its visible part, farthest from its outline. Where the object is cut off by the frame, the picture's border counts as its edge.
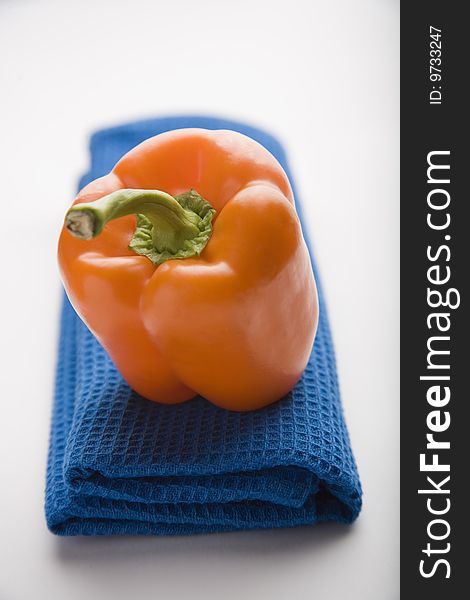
(167, 227)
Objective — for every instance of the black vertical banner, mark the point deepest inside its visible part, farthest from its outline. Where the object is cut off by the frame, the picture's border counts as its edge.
(435, 268)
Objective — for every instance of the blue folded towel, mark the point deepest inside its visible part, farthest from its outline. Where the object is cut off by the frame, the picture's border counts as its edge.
(119, 464)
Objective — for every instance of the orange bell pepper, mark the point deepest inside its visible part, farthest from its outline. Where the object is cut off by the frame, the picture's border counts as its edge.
(210, 290)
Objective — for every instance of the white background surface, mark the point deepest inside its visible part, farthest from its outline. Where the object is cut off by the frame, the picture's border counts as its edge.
(323, 77)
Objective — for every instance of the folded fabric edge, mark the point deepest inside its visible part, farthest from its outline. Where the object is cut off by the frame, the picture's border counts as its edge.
(107, 517)
(321, 504)
(285, 486)
(81, 526)
(296, 462)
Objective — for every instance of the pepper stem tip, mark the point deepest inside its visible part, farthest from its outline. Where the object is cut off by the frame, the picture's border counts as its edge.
(81, 224)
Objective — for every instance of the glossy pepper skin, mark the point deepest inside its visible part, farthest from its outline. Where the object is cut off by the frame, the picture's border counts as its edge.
(237, 323)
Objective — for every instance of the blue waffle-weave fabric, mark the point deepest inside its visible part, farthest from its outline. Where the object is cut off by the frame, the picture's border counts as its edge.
(120, 464)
